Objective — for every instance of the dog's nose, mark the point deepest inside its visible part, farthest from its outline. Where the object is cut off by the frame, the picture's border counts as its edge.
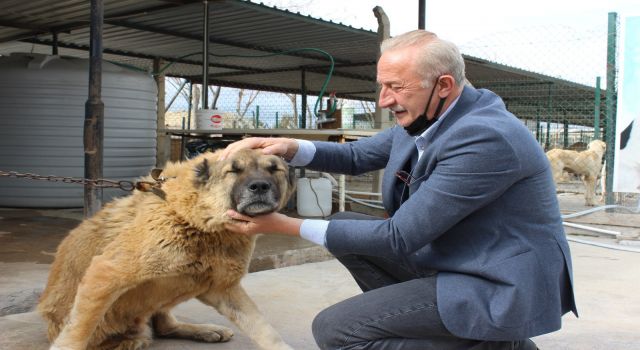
(259, 186)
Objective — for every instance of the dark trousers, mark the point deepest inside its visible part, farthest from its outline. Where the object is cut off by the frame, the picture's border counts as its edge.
(398, 310)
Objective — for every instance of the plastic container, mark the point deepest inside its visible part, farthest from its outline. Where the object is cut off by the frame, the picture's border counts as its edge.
(314, 197)
(209, 119)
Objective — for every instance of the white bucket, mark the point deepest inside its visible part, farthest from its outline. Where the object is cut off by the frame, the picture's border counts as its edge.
(209, 119)
(314, 197)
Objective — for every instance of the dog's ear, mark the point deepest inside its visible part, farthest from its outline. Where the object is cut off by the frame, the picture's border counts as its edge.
(291, 176)
(155, 173)
(203, 173)
(292, 181)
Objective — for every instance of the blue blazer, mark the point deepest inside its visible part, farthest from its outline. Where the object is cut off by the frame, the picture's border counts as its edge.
(482, 211)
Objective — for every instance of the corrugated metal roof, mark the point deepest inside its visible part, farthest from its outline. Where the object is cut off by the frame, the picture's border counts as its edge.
(136, 31)
(172, 30)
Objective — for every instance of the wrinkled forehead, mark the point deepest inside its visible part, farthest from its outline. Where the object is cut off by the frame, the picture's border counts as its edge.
(254, 159)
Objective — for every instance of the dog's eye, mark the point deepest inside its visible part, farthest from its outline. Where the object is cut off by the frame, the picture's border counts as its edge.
(235, 168)
(273, 168)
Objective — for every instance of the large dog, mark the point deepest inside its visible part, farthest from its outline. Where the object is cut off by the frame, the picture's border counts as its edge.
(116, 276)
(586, 164)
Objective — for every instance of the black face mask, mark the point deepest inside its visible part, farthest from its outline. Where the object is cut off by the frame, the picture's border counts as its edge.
(423, 123)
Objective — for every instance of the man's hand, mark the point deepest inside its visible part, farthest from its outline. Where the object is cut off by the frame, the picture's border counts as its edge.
(279, 146)
(273, 223)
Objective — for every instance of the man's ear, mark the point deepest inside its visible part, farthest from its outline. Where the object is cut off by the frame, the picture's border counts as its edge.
(202, 172)
(447, 84)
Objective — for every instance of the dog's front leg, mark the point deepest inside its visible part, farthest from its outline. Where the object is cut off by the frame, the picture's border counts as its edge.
(101, 285)
(236, 305)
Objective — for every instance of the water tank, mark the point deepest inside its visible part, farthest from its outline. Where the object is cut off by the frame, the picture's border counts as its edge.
(42, 108)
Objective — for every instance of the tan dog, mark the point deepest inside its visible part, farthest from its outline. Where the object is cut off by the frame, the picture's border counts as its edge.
(119, 273)
(586, 164)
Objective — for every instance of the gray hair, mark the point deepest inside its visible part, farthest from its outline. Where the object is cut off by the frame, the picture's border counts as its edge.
(438, 56)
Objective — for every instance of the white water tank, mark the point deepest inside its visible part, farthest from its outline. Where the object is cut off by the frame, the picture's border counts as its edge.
(42, 108)
(313, 197)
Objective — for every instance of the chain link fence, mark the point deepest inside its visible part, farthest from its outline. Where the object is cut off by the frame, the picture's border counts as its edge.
(561, 92)
(253, 109)
(567, 99)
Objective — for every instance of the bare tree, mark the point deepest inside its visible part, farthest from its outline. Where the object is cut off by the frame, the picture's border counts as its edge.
(216, 95)
(294, 103)
(241, 108)
(195, 97)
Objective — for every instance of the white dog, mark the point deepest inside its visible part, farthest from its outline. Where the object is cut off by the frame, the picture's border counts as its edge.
(586, 164)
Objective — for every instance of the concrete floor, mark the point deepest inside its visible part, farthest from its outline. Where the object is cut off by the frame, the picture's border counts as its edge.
(607, 283)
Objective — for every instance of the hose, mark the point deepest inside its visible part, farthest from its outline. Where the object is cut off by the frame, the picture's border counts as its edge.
(316, 107)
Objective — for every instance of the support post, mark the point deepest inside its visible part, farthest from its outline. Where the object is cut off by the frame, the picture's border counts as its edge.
(421, 14)
(596, 112)
(381, 116)
(94, 114)
(303, 95)
(610, 137)
(163, 141)
(205, 55)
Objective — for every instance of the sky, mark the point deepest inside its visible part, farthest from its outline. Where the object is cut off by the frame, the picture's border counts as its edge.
(562, 38)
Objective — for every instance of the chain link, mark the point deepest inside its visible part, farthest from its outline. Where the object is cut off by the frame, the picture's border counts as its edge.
(101, 183)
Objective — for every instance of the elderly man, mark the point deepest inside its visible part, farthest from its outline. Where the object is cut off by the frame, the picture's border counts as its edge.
(473, 254)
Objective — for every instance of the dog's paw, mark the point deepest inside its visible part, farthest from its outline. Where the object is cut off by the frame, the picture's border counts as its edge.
(213, 333)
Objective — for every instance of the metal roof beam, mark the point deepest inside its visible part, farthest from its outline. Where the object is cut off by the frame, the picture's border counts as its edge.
(37, 30)
(314, 69)
(150, 29)
(223, 83)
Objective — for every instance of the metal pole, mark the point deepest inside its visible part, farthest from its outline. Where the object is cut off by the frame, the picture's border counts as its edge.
(611, 105)
(191, 106)
(303, 94)
(54, 46)
(538, 125)
(94, 114)
(547, 143)
(565, 134)
(421, 13)
(257, 116)
(596, 113)
(205, 56)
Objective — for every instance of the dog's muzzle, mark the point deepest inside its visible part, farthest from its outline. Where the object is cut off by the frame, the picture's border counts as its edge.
(256, 196)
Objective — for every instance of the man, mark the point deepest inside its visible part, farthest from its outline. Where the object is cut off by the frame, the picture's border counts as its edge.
(473, 255)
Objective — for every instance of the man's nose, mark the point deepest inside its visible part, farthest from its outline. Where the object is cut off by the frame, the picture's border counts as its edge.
(386, 98)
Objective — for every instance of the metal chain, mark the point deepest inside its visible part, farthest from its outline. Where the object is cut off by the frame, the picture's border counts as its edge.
(101, 183)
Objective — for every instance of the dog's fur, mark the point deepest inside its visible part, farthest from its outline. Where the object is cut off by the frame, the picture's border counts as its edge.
(116, 276)
(586, 164)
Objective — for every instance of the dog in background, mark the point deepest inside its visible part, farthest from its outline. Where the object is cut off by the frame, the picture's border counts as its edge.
(586, 164)
(117, 276)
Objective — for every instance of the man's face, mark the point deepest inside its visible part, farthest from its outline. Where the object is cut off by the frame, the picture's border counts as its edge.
(401, 85)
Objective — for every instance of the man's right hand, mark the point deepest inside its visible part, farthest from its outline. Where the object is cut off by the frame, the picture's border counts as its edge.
(279, 146)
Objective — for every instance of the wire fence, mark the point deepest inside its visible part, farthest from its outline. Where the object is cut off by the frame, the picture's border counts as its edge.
(252, 109)
(556, 84)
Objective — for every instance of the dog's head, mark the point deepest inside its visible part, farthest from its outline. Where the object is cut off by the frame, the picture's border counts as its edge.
(202, 189)
(253, 183)
(597, 146)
